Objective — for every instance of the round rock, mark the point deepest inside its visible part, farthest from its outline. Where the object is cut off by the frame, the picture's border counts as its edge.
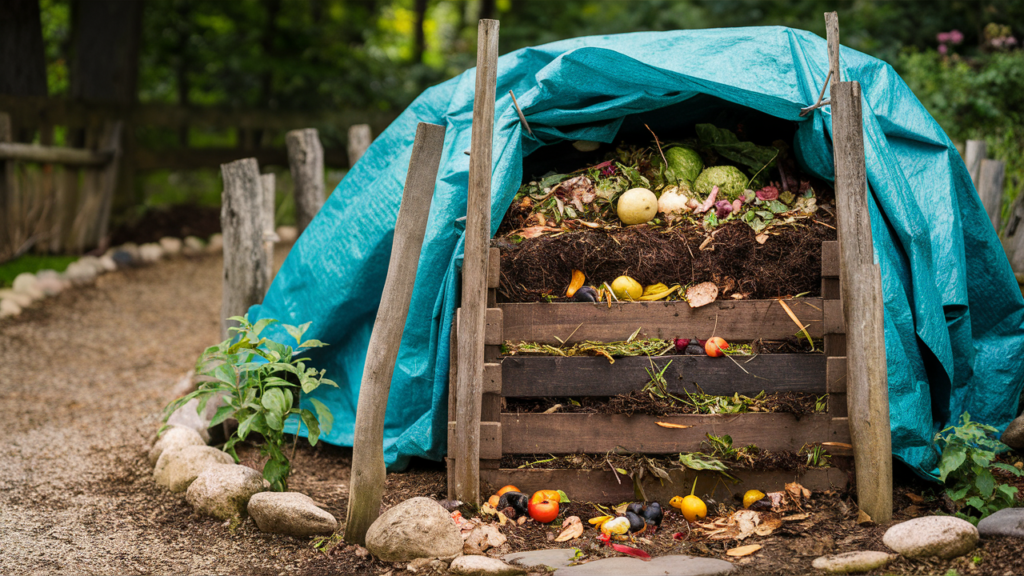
(939, 536)
(150, 252)
(483, 566)
(416, 528)
(177, 469)
(1013, 436)
(216, 243)
(174, 438)
(26, 283)
(290, 513)
(287, 234)
(223, 491)
(170, 245)
(9, 308)
(853, 562)
(1006, 522)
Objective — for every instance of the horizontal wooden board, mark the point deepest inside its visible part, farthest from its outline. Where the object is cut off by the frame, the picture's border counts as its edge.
(529, 376)
(830, 259)
(599, 433)
(490, 439)
(601, 486)
(740, 320)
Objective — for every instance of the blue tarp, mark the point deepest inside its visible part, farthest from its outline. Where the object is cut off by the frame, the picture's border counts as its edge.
(953, 313)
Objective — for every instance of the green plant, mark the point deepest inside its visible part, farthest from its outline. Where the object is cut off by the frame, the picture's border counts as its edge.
(255, 377)
(965, 466)
(817, 456)
(721, 447)
(821, 403)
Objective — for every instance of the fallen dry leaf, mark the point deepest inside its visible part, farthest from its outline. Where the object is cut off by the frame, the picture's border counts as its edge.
(915, 498)
(502, 519)
(744, 550)
(701, 294)
(521, 521)
(553, 409)
(486, 508)
(571, 528)
(796, 517)
(769, 523)
(535, 231)
(863, 518)
(796, 493)
(761, 238)
(671, 425)
(621, 508)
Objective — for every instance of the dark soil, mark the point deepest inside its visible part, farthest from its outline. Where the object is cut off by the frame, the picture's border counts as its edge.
(176, 221)
(640, 402)
(785, 265)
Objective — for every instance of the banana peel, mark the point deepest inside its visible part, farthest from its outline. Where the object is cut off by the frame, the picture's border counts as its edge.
(576, 283)
(658, 292)
(599, 521)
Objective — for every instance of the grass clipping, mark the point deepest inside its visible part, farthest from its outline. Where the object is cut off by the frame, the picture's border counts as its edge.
(632, 346)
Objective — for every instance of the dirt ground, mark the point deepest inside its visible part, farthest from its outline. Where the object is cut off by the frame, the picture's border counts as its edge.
(83, 377)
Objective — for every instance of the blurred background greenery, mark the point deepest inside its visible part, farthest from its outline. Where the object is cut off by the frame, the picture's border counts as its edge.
(960, 57)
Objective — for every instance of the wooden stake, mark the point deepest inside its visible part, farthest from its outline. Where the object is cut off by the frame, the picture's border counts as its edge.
(306, 160)
(268, 185)
(991, 175)
(861, 289)
(366, 488)
(975, 152)
(241, 221)
(359, 139)
(7, 184)
(474, 272)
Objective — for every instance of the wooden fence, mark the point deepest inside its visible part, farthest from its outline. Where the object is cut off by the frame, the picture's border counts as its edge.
(59, 199)
(989, 177)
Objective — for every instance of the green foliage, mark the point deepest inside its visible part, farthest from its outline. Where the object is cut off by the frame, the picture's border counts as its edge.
(966, 464)
(261, 381)
(721, 447)
(816, 454)
(32, 263)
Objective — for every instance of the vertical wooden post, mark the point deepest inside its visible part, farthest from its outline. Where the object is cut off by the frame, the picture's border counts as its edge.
(474, 272)
(861, 288)
(359, 139)
(975, 152)
(991, 175)
(109, 141)
(241, 222)
(268, 184)
(366, 488)
(7, 176)
(306, 160)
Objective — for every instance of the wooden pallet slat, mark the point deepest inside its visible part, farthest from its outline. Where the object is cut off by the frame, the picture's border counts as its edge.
(736, 320)
(581, 376)
(490, 439)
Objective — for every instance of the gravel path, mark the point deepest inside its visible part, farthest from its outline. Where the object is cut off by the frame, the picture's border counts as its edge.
(83, 378)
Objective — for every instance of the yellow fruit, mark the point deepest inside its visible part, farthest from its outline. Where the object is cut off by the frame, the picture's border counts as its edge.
(693, 508)
(493, 501)
(599, 521)
(625, 288)
(752, 496)
(637, 206)
(676, 502)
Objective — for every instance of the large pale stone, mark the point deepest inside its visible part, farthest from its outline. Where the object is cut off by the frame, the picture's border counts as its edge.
(151, 252)
(193, 245)
(1006, 522)
(21, 300)
(290, 513)
(416, 528)
(9, 308)
(1013, 436)
(287, 234)
(170, 245)
(552, 557)
(174, 438)
(177, 469)
(187, 417)
(223, 491)
(79, 273)
(853, 562)
(660, 566)
(942, 536)
(26, 283)
(216, 243)
(483, 566)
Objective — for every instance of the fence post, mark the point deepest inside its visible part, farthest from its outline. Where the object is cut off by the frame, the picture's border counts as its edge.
(974, 152)
(359, 139)
(366, 487)
(241, 221)
(110, 141)
(861, 290)
(306, 160)
(474, 272)
(268, 184)
(7, 176)
(990, 188)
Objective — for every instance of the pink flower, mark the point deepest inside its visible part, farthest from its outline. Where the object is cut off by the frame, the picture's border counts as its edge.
(943, 49)
(768, 193)
(1011, 41)
(608, 171)
(955, 36)
(943, 37)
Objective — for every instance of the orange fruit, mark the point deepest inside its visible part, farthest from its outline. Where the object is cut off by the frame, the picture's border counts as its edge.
(541, 495)
(714, 347)
(544, 510)
(509, 488)
(493, 501)
(693, 508)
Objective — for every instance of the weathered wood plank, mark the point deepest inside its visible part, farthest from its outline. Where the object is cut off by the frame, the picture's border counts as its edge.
(368, 473)
(830, 259)
(306, 161)
(836, 375)
(490, 434)
(241, 221)
(468, 438)
(834, 322)
(599, 433)
(601, 486)
(990, 189)
(736, 320)
(493, 381)
(867, 378)
(975, 152)
(545, 376)
(359, 139)
(493, 268)
(830, 289)
(268, 184)
(54, 154)
(493, 326)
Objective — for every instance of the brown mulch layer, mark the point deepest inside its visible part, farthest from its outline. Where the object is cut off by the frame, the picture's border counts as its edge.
(786, 264)
(640, 402)
(177, 221)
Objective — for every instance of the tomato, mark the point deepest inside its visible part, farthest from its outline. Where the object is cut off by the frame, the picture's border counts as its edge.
(693, 508)
(509, 488)
(715, 346)
(544, 510)
(493, 501)
(551, 495)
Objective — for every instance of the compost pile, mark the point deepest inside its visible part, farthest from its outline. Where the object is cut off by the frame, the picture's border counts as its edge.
(711, 207)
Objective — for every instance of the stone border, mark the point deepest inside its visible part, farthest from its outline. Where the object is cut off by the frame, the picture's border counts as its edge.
(29, 288)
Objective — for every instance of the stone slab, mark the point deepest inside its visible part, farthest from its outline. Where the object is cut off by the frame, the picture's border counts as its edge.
(661, 566)
(1006, 522)
(552, 558)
